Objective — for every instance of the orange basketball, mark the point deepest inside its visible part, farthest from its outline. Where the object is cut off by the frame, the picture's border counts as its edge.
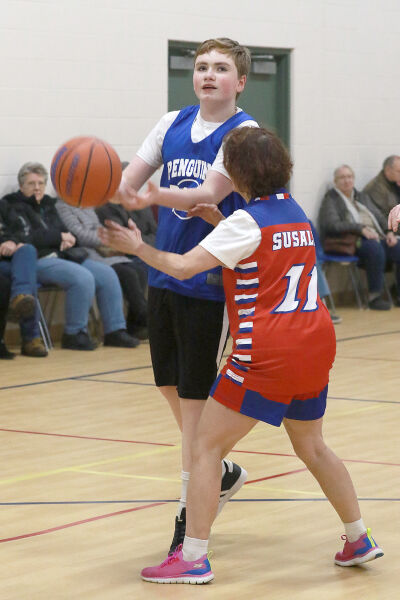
(86, 171)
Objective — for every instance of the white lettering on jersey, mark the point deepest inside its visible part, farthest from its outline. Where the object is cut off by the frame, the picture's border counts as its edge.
(277, 240)
(185, 167)
(292, 239)
(303, 239)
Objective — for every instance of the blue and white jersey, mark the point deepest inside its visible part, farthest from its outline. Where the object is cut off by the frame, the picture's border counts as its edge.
(185, 165)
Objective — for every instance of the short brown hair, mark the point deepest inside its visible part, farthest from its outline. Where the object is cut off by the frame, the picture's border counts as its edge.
(240, 54)
(256, 160)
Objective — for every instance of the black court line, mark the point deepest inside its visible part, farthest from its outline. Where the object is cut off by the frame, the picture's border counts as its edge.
(363, 400)
(367, 358)
(74, 377)
(72, 502)
(116, 381)
(77, 377)
(368, 335)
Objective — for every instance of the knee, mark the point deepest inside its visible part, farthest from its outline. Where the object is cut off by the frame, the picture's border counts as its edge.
(106, 278)
(205, 446)
(84, 280)
(28, 251)
(309, 450)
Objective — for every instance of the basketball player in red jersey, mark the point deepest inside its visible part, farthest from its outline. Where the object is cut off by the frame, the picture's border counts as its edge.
(283, 347)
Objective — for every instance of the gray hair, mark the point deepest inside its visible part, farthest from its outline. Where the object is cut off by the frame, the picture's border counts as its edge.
(389, 161)
(335, 172)
(31, 167)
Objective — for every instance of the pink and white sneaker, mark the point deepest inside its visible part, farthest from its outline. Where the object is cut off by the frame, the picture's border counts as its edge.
(361, 551)
(176, 570)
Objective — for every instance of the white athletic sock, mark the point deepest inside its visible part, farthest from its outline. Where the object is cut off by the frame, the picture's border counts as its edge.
(226, 464)
(354, 530)
(185, 476)
(193, 548)
(223, 465)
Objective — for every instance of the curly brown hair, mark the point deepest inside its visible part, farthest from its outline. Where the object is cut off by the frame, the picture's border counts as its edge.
(256, 160)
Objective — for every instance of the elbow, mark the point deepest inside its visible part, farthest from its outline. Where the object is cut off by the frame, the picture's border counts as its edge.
(183, 273)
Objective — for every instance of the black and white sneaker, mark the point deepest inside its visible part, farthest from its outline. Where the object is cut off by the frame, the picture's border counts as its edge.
(231, 482)
(179, 533)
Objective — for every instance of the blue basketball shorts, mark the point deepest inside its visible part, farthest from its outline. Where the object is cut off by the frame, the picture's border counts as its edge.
(304, 407)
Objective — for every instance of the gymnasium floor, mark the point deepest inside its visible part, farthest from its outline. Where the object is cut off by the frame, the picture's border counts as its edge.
(90, 478)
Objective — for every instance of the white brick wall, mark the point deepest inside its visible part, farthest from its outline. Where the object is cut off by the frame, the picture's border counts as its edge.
(72, 67)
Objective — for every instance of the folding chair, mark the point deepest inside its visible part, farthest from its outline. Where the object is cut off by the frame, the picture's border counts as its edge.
(46, 314)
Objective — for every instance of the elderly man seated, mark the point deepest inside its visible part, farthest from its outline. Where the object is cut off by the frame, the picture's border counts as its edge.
(343, 211)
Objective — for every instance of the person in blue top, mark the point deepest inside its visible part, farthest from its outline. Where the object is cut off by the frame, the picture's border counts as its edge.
(186, 325)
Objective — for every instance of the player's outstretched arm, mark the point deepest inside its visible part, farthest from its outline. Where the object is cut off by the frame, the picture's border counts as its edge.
(394, 218)
(133, 178)
(215, 187)
(129, 241)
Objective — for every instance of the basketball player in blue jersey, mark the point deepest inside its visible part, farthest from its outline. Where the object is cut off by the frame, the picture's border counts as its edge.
(186, 326)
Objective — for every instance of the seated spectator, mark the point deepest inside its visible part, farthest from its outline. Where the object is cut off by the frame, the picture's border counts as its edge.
(343, 212)
(5, 289)
(144, 220)
(382, 193)
(84, 225)
(18, 273)
(33, 218)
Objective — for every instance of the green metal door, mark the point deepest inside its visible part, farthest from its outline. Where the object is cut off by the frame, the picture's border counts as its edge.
(266, 95)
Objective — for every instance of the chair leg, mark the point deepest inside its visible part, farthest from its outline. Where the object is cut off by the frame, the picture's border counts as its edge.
(355, 280)
(387, 291)
(94, 315)
(44, 330)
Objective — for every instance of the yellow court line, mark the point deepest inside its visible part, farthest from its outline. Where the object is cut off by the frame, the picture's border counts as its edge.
(93, 464)
(111, 474)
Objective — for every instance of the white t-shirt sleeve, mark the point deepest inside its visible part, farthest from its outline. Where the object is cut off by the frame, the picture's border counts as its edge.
(218, 164)
(150, 150)
(234, 239)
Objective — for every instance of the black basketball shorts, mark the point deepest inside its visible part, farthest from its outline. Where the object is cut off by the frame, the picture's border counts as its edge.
(187, 338)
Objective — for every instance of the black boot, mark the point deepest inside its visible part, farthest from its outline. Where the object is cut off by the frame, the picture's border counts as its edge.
(5, 353)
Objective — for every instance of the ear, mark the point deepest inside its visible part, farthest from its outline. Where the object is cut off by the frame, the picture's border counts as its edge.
(241, 84)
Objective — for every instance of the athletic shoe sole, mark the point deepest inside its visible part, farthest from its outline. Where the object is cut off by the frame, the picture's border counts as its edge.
(359, 560)
(191, 580)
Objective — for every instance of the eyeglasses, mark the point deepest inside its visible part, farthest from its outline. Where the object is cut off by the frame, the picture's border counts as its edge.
(32, 184)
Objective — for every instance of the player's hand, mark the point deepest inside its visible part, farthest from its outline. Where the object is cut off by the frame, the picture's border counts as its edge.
(125, 193)
(394, 218)
(208, 212)
(138, 201)
(125, 239)
(8, 248)
(130, 198)
(391, 239)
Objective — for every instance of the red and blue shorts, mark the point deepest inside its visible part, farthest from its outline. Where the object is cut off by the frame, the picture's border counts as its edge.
(304, 407)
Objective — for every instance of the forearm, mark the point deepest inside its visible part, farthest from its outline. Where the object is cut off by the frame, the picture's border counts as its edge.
(185, 198)
(170, 263)
(138, 172)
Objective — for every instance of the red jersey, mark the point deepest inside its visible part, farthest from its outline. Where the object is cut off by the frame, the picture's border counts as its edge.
(283, 337)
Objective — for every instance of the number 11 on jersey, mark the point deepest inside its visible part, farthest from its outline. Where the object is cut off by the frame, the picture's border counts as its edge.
(291, 301)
